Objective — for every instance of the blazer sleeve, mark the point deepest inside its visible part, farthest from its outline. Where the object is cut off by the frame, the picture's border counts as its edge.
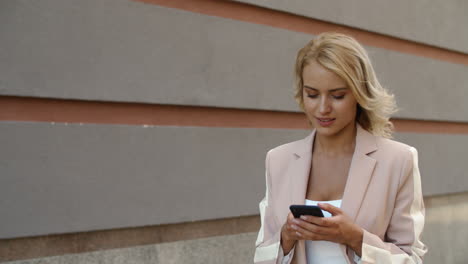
(402, 241)
(268, 245)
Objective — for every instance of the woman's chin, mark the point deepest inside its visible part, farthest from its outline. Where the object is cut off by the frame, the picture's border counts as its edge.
(325, 131)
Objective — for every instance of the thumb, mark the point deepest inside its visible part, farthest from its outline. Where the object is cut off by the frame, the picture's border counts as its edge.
(330, 208)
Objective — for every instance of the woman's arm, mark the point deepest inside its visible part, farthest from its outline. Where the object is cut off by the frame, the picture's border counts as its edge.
(268, 245)
(288, 235)
(402, 243)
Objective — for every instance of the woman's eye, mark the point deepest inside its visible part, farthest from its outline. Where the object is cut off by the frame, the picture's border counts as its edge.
(338, 96)
(312, 95)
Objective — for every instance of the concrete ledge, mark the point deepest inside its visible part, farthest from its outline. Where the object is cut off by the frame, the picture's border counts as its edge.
(226, 249)
(82, 242)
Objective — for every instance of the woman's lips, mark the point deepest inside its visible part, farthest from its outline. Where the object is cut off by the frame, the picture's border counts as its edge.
(325, 122)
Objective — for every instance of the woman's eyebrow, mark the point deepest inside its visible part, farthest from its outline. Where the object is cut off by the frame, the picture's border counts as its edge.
(332, 90)
(338, 89)
(310, 88)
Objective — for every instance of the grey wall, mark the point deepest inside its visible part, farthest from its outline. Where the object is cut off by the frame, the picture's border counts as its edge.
(68, 178)
(58, 178)
(438, 23)
(125, 51)
(442, 161)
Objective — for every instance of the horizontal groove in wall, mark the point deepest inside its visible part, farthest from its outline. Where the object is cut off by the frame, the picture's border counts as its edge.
(432, 127)
(74, 111)
(279, 19)
(54, 245)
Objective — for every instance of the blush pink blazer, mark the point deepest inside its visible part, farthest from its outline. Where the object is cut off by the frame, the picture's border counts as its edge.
(382, 195)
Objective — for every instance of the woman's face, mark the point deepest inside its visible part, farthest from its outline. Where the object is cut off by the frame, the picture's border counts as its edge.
(329, 103)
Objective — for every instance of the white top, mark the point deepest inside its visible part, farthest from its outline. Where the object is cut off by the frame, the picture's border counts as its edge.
(324, 251)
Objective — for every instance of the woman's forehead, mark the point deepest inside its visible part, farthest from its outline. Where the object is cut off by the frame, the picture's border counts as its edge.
(316, 76)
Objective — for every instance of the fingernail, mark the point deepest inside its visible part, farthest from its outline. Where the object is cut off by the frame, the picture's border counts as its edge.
(303, 217)
(294, 227)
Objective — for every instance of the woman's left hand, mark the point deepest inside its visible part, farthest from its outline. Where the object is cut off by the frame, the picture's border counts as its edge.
(338, 228)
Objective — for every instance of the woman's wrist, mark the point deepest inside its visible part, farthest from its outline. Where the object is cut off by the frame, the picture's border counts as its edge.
(286, 243)
(355, 242)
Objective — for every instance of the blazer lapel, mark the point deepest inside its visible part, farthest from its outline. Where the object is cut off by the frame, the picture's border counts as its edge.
(299, 171)
(360, 173)
(298, 177)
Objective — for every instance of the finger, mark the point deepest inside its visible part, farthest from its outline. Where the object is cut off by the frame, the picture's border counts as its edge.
(305, 234)
(315, 228)
(290, 221)
(323, 233)
(320, 221)
(290, 231)
(290, 218)
(290, 227)
(330, 208)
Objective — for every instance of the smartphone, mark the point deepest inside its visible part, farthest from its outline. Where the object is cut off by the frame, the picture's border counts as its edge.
(298, 210)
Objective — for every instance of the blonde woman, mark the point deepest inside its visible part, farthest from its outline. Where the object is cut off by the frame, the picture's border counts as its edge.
(367, 185)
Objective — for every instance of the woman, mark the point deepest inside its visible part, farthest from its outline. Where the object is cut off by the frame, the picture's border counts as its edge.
(368, 184)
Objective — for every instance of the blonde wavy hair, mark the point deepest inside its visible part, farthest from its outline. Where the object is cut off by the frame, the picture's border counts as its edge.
(344, 56)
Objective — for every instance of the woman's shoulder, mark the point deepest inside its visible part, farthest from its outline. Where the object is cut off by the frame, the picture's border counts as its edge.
(396, 149)
(393, 145)
(288, 149)
(279, 158)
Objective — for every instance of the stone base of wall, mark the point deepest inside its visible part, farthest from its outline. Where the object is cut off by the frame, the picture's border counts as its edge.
(446, 229)
(224, 249)
(445, 234)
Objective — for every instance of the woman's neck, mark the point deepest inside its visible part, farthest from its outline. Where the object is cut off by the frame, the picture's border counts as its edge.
(338, 144)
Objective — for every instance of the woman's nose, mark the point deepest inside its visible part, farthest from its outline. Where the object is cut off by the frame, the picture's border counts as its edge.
(324, 107)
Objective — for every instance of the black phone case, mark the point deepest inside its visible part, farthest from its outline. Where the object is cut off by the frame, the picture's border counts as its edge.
(298, 210)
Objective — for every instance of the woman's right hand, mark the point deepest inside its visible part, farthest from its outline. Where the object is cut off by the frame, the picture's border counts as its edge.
(288, 234)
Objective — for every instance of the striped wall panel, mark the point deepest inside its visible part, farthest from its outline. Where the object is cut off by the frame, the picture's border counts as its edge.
(439, 23)
(200, 60)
